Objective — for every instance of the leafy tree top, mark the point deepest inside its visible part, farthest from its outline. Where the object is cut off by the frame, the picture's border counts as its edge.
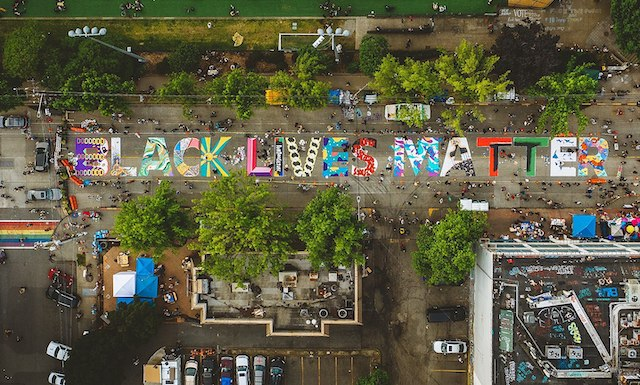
(404, 81)
(625, 15)
(565, 93)
(528, 52)
(240, 89)
(185, 58)
(181, 86)
(307, 95)
(309, 63)
(377, 377)
(445, 250)
(8, 98)
(468, 72)
(330, 230)
(372, 49)
(154, 222)
(241, 236)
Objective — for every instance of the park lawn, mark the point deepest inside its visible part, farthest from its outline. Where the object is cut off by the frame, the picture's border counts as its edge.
(247, 8)
(164, 35)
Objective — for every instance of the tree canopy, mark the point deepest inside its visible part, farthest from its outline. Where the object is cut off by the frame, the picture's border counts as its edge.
(565, 93)
(309, 63)
(373, 48)
(22, 52)
(331, 231)
(8, 97)
(625, 15)
(406, 81)
(154, 222)
(445, 250)
(377, 377)
(180, 87)
(101, 356)
(307, 95)
(90, 91)
(239, 234)
(185, 58)
(468, 72)
(528, 51)
(240, 89)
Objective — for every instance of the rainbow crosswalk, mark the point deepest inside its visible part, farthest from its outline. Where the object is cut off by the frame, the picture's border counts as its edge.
(25, 233)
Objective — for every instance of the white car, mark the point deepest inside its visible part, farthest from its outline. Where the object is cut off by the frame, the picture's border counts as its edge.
(242, 370)
(191, 372)
(58, 351)
(56, 378)
(259, 370)
(51, 194)
(450, 347)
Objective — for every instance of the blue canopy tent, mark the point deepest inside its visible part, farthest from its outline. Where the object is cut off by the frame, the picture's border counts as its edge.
(584, 226)
(144, 266)
(147, 286)
(126, 300)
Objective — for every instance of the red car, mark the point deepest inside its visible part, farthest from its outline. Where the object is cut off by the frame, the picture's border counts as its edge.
(60, 278)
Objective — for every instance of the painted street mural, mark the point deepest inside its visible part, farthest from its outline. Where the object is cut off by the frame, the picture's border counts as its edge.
(410, 157)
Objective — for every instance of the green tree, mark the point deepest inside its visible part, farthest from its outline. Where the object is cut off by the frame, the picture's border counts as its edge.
(528, 52)
(23, 51)
(304, 94)
(412, 117)
(386, 79)
(90, 91)
(329, 228)
(185, 58)
(377, 377)
(468, 70)
(453, 118)
(102, 356)
(445, 250)
(373, 48)
(181, 87)
(154, 222)
(87, 55)
(565, 93)
(240, 235)
(136, 322)
(626, 24)
(419, 78)
(240, 89)
(309, 63)
(8, 97)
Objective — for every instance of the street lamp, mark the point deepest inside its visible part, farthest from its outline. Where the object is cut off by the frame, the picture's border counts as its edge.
(95, 31)
(322, 33)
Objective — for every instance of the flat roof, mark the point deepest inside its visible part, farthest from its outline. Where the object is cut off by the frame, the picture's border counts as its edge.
(568, 248)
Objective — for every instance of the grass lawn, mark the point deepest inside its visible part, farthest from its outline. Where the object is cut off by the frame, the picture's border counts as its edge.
(247, 8)
(162, 35)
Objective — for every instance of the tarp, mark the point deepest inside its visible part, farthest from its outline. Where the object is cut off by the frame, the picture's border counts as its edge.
(334, 96)
(124, 284)
(147, 286)
(584, 226)
(506, 330)
(144, 266)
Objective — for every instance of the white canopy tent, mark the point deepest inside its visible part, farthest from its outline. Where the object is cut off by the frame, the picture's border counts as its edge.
(124, 284)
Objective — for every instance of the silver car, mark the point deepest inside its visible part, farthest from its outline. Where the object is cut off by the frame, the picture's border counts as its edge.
(259, 370)
(51, 194)
(450, 347)
(13, 121)
(42, 156)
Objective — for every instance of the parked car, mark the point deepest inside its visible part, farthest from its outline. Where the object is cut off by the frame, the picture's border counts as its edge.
(50, 194)
(242, 370)
(60, 279)
(208, 369)
(58, 351)
(62, 298)
(226, 370)
(14, 121)
(447, 314)
(259, 370)
(42, 156)
(191, 372)
(450, 347)
(276, 373)
(56, 378)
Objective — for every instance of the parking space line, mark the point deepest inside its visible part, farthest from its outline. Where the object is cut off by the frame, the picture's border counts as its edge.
(335, 368)
(318, 358)
(351, 371)
(302, 370)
